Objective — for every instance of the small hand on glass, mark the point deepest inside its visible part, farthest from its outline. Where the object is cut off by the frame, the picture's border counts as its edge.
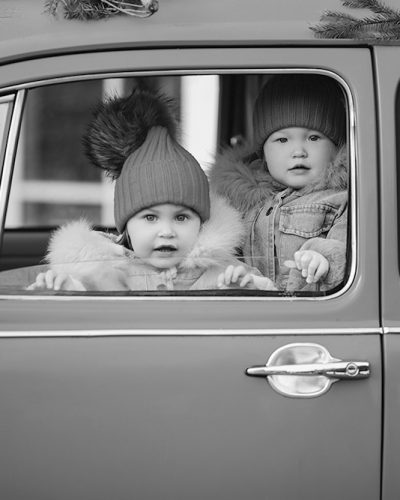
(52, 280)
(241, 276)
(313, 265)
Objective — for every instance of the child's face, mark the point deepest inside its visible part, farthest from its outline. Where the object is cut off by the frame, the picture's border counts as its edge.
(298, 156)
(163, 235)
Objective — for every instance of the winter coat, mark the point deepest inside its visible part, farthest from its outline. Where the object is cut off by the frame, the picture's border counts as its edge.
(281, 220)
(97, 261)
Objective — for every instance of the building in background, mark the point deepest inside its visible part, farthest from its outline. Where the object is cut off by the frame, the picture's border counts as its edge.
(54, 183)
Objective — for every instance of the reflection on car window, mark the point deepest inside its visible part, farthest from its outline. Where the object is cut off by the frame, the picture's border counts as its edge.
(163, 210)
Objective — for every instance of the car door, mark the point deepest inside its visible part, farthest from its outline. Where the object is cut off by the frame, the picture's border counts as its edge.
(149, 396)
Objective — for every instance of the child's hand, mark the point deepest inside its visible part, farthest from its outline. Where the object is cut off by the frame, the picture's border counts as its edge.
(233, 274)
(313, 265)
(51, 280)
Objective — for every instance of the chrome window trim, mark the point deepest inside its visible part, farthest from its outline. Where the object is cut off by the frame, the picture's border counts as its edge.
(7, 98)
(391, 330)
(8, 164)
(188, 332)
(215, 71)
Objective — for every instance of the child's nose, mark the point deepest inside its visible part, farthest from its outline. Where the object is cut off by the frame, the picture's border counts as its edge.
(166, 230)
(299, 151)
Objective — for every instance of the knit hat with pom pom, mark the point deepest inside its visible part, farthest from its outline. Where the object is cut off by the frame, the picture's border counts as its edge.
(312, 101)
(133, 140)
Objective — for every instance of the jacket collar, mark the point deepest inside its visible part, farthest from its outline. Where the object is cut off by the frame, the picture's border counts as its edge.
(244, 178)
(77, 244)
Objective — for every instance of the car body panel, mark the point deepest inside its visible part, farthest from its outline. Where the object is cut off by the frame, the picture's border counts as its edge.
(329, 313)
(176, 417)
(27, 31)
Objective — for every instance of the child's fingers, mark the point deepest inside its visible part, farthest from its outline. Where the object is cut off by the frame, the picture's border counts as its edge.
(59, 281)
(263, 283)
(238, 271)
(302, 260)
(49, 279)
(228, 274)
(313, 265)
(322, 269)
(311, 269)
(247, 278)
(39, 282)
(221, 281)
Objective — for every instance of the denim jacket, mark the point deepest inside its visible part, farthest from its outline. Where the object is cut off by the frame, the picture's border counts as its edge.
(280, 220)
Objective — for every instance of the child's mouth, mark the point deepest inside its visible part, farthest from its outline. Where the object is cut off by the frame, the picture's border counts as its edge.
(299, 168)
(165, 249)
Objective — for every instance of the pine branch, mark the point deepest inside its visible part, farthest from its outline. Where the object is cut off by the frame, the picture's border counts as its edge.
(383, 24)
(84, 10)
(337, 25)
(333, 16)
(50, 6)
(375, 6)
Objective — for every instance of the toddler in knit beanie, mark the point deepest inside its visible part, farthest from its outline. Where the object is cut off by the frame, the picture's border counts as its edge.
(292, 191)
(169, 235)
(311, 101)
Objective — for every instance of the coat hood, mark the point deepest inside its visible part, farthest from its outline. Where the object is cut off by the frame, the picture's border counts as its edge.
(244, 179)
(77, 249)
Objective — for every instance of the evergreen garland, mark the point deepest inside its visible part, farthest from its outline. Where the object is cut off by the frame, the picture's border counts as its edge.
(382, 24)
(85, 10)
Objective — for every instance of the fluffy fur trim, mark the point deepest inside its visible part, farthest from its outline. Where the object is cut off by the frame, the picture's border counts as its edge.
(77, 249)
(246, 182)
(120, 126)
(219, 237)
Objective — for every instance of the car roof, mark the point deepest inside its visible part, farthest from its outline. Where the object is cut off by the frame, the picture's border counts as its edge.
(27, 31)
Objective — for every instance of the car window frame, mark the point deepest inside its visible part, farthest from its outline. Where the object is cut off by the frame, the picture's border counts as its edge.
(21, 90)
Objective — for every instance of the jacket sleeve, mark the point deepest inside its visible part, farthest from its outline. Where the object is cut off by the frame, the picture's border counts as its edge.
(334, 249)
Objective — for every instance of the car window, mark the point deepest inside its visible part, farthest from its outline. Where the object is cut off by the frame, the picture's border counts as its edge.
(258, 220)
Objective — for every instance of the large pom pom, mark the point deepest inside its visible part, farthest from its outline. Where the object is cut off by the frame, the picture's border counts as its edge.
(120, 126)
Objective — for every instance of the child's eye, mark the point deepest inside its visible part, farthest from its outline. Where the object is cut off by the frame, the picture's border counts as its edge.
(182, 217)
(150, 217)
(314, 137)
(282, 140)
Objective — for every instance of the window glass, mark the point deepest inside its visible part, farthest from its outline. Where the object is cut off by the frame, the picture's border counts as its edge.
(273, 152)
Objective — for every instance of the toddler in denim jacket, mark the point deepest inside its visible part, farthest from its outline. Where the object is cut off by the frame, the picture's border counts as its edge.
(292, 189)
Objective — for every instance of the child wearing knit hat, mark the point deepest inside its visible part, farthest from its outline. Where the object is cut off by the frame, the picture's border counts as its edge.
(292, 189)
(172, 234)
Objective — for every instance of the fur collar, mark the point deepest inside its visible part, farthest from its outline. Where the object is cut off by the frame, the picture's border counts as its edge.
(77, 248)
(244, 179)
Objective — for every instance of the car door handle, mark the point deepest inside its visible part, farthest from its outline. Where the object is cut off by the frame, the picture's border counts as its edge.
(307, 370)
(340, 370)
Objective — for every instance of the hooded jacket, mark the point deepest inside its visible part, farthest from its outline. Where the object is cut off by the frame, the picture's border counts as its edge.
(280, 221)
(96, 261)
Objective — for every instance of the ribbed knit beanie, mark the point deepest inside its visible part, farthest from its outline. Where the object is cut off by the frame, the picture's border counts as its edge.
(160, 171)
(311, 101)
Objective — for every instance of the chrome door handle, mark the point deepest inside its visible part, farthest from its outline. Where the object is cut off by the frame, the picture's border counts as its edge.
(340, 370)
(307, 370)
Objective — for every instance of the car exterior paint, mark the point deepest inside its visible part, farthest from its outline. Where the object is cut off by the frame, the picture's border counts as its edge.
(146, 396)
